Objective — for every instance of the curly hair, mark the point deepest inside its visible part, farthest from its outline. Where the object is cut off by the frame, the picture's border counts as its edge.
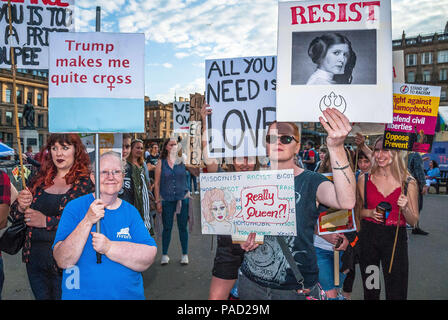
(80, 168)
(213, 195)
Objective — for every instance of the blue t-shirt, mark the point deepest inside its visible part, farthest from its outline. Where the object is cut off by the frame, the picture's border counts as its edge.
(267, 265)
(108, 280)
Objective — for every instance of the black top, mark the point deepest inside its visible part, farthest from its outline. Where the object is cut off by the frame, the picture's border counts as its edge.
(48, 204)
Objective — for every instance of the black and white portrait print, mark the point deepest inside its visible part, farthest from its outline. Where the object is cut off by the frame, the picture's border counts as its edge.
(334, 57)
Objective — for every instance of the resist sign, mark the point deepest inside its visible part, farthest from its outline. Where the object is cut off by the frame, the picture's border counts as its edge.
(239, 203)
(96, 82)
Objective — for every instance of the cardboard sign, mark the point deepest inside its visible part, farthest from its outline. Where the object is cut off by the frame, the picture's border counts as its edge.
(240, 203)
(335, 220)
(415, 118)
(32, 22)
(241, 93)
(96, 83)
(195, 153)
(108, 142)
(181, 116)
(334, 54)
(398, 62)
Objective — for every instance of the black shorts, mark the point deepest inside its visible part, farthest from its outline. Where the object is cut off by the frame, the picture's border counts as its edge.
(228, 259)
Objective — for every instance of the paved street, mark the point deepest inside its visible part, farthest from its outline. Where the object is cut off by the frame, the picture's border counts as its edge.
(428, 257)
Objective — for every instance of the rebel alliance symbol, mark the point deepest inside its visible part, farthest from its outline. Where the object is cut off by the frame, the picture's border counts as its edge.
(333, 101)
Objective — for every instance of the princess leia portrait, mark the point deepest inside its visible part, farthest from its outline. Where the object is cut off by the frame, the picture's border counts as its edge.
(334, 58)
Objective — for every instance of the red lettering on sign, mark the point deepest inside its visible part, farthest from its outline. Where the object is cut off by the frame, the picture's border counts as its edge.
(331, 12)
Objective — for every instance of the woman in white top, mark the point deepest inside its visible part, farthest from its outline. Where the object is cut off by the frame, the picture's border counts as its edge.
(334, 57)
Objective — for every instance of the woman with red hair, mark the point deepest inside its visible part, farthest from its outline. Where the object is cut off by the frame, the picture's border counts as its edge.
(63, 176)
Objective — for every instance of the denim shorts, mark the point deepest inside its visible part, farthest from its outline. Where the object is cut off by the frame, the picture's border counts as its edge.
(325, 262)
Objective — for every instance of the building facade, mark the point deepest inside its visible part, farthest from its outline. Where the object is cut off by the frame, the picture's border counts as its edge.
(426, 60)
(32, 86)
(158, 121)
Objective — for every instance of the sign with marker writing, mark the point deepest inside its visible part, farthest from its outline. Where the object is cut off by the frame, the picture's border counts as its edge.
(334, 54)
(241, 93)
(96, 83)
(238, 203)
(32, 23)
(181, 116)
(415, 118)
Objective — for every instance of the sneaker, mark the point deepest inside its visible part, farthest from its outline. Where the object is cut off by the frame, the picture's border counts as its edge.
(184, 259)
(419, 231)
(165, 260)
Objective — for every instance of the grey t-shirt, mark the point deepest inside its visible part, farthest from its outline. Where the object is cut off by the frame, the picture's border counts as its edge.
(267, 265)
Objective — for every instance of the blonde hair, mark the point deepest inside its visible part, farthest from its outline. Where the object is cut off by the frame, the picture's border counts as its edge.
(398, 166)
(213, 195)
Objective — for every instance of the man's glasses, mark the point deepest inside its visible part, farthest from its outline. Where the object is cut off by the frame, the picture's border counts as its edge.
(272, 138)
(114, 173)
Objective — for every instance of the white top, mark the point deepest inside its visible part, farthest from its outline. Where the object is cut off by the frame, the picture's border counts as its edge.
(322, 243)
(321, 77)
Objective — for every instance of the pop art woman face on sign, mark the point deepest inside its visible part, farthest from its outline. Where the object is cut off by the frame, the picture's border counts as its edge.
(218, 206)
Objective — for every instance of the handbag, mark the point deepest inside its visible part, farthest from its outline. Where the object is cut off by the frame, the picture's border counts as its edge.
(13, 238)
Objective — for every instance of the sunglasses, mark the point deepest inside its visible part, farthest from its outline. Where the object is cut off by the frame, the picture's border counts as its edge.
(272, 138)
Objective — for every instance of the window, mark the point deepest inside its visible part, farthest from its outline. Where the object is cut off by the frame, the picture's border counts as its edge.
(8, 95)
(442, 56)
(39, 99)
(19, 97)
(411, 59)
(443, 95)
(426, 57)
(8, 116)
(20, 119)
(30, 97)
(443, 74)
(411, 76)
(40, 120)
(426, 76)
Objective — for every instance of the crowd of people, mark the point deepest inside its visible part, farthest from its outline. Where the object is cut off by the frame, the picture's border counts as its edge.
(142, 191)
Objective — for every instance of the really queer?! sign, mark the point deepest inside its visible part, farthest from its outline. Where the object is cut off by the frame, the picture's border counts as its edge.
(239, 203)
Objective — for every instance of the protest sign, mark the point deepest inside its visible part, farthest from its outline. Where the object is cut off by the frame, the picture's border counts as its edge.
(196, 102)
(96, 83)
(415, 118)
(195, 152)
(243, 202)
(335, 220)
(108, 142)
(181, 116)
(32, 23)
(334, 54)
(241, 93)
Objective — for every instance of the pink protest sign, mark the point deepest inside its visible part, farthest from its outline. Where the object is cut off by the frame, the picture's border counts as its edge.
(238, 203)
(415, 118)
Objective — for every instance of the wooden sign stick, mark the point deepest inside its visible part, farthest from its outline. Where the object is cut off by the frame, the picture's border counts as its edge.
(14, 98)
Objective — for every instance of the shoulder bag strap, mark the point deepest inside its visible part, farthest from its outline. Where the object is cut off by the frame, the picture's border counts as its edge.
(291, 261)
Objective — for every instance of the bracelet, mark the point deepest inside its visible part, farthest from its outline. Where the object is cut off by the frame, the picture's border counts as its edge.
(341, 168)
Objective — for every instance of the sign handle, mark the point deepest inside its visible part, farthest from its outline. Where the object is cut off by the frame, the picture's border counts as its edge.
(97, 148)
(14, 98)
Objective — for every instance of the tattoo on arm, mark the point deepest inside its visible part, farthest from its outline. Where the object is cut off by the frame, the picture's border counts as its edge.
(342, 169)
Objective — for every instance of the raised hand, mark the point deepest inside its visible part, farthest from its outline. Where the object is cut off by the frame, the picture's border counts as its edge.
(337, 126)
